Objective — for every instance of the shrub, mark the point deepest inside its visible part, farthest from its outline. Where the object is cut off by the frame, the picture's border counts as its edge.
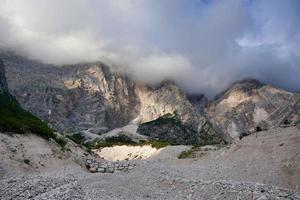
(61, 140)
(157, 144)
(167, 118)
(112, 141)
(77, 138)
(185, 154)
(125, 140)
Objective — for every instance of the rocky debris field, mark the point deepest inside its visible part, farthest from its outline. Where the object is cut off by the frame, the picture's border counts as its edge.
(180, 188)
(107, 167)
(73, 183)
(41, 187)
(269, 171)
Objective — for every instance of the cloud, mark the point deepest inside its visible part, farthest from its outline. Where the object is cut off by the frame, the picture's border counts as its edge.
(202, 45)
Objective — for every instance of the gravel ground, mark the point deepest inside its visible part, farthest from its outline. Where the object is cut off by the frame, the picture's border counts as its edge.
(166, 177)
(74, 183)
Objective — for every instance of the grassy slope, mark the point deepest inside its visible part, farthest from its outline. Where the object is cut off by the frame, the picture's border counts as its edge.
(15, 119)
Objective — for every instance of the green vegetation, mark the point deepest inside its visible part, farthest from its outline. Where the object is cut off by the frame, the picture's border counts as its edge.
(61, 140)
(15, 119)
(210, 139)
(110, 142)
(77, 138)
(167, 118)
(124, 140)
(210, 136)
(156, 144)
(188, 153)
(171, 123)
(198, 151)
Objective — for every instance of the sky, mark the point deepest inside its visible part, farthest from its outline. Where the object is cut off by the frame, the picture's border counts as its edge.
(203, 45)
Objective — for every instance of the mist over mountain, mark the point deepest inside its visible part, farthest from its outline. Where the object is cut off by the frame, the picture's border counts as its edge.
(202, 45)
(150, 99)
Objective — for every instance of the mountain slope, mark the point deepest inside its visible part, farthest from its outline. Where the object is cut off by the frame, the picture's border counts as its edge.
(15, 119)
(90, 98)
(3, 84)
(249, 106)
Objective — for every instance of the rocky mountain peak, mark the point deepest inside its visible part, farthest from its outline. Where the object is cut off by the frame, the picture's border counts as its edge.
(249, 105)
(244, 86)
(89, 98)
(249, 82)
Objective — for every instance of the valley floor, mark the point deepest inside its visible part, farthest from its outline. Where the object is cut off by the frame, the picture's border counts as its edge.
(259, 166)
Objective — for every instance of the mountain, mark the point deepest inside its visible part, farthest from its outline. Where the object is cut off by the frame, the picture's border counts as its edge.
(91, 99)
(3, 84)
(199, 101)
(13, 118)
(248, 106)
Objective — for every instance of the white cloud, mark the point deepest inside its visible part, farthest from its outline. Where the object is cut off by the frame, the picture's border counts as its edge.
(203, 45)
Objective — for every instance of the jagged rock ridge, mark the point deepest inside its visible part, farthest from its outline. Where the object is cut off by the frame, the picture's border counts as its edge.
(248, 106)
(89, 98)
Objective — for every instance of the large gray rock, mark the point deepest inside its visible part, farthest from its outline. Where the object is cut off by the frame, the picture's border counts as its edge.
(249, 106)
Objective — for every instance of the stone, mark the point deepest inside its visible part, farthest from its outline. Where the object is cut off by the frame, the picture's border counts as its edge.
(109, 170)
(101, 169)
(93, 170)
(264, 197)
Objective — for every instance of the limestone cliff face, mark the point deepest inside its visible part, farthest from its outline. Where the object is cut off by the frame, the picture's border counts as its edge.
(190, 126)
(3, 84)
(249, 105)
(91, 98)
(73, 98)
(164, 99)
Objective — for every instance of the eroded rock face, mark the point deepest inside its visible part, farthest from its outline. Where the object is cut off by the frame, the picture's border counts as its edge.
(90, 98)
(3, 84)
(168, 100)
(249, 106)
(73, 98)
